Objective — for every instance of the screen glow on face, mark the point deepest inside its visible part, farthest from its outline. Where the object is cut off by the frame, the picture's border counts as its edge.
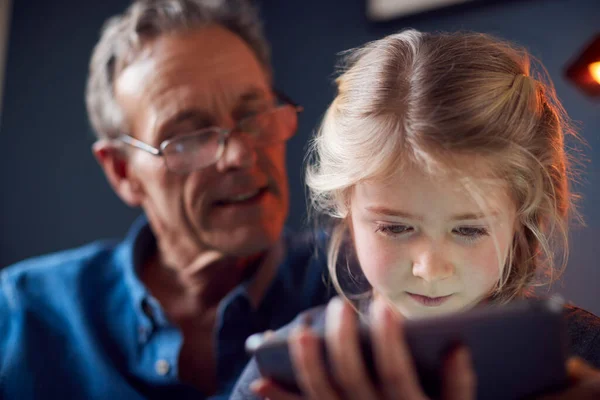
(431, 245)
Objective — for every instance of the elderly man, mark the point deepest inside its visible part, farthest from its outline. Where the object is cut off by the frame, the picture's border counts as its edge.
(191, 130)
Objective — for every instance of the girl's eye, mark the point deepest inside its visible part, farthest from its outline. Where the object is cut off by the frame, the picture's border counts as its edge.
(394, 230)
(471, 232)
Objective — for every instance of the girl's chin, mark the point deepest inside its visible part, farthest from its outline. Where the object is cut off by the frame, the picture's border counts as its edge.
(414, 313)
(414, 309)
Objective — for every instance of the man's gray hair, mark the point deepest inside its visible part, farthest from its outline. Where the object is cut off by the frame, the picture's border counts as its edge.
(124, 35)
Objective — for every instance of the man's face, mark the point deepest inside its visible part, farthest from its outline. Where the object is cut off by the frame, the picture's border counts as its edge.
(189, 81)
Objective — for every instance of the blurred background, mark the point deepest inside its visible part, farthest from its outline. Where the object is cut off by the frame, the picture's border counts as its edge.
(53, 195)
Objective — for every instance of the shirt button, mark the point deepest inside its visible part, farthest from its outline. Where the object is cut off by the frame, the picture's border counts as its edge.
(162, 367)
(143, 334)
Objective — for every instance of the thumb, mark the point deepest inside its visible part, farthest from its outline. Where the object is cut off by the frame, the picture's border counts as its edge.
(578, 370)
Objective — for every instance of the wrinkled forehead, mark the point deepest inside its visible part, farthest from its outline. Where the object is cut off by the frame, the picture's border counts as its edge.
(209, 69)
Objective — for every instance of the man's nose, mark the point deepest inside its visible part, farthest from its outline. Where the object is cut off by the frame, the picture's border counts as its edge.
(239, 152)
(431, 264)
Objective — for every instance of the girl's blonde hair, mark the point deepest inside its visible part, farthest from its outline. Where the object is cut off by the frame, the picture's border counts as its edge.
(426, 98)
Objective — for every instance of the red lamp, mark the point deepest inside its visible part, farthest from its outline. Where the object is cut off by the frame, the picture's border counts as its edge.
(584, 71)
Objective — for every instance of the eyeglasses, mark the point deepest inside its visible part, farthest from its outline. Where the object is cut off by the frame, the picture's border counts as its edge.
(200, 149)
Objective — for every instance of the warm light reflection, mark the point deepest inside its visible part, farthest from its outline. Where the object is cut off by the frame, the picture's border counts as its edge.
(595, 70)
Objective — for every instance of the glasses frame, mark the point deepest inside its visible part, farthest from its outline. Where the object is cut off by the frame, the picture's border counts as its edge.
(224, 134)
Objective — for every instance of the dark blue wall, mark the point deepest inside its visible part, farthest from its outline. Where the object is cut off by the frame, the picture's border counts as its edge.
(306, 35)
(54, 196)
(53, 193)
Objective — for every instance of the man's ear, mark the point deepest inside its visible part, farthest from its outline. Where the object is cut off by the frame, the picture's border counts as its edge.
(115, 164)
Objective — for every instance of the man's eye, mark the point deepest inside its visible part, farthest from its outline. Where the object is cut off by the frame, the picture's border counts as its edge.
(394, 230)
(178, 147)
(249, 115)
(249, 119)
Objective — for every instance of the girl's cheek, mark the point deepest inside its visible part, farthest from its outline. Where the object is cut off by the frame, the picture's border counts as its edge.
(379, 260)
(487, 267)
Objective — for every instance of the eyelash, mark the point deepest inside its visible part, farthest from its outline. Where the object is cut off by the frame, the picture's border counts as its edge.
(473, 233)
(388, 230)
(467, 233)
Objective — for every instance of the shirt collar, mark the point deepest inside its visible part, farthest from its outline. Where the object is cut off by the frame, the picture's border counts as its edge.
(256, 286)
(139, 243)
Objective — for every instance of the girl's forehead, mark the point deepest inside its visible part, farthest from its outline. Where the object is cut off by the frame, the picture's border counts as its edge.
(467, 173)
(453, 191)
(455, 185)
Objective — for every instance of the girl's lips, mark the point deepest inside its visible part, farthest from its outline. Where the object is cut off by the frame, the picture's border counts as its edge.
(429, 301)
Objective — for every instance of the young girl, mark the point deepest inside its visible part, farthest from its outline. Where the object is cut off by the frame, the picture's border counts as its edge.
(442, 163)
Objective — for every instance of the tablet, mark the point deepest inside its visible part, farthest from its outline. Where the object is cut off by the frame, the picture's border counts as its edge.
(518, 350)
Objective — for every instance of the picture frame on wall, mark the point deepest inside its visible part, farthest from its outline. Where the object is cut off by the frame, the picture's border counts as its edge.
(5, 17)
(385, 10)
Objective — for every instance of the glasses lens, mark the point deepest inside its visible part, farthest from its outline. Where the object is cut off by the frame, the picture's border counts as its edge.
(274, 126)
(193, 151)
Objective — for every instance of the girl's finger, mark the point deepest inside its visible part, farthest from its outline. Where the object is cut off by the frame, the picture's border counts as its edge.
(394, 363)
(578, 370)
(345, 356)
(458, 376)
(309, 365)
(269, 390)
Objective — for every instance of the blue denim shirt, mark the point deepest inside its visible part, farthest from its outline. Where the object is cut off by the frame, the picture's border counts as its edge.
(80, 324)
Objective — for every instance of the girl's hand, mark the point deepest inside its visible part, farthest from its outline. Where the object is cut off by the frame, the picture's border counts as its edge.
(391, 355)
(584, 382)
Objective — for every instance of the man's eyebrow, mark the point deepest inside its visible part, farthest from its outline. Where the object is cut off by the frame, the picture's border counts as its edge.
(196, 116)
(193, 114)
(252, 94)
(201, 118)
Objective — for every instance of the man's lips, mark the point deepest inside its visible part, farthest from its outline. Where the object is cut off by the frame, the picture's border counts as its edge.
(242, 197)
